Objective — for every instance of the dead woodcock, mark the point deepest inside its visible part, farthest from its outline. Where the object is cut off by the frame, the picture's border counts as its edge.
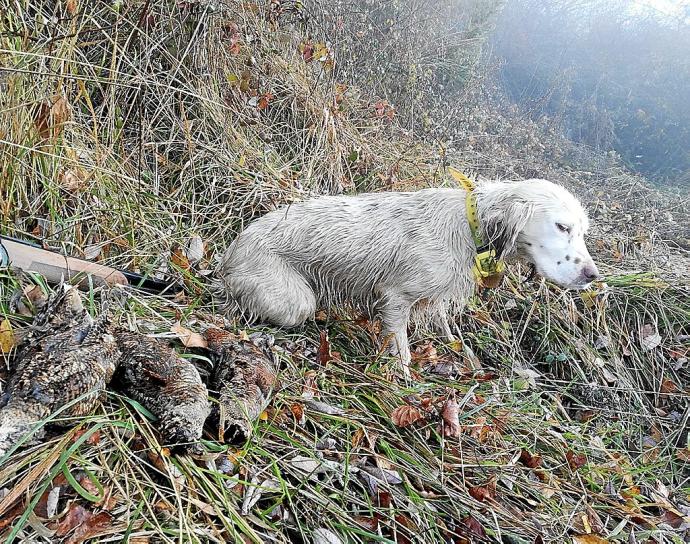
(244, 377)
(166, 384)
(64, 362)
(65, 359)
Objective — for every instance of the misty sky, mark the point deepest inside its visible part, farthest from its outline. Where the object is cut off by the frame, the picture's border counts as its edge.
(669, 7)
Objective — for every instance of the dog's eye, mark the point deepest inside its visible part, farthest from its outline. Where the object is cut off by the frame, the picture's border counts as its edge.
(563, 228)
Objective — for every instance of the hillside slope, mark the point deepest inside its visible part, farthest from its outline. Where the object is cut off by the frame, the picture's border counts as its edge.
(146, 134)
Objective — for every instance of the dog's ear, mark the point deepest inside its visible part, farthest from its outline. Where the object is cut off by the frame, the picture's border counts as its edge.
(504, 224)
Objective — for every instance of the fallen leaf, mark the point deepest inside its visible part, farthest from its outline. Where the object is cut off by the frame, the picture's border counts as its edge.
(195, 249)
(76, 515)
(483, 493)
(307, 51)
(406, 522)
(529, 460)
(73, 180)
(179, 259)
(324, 536)
(528, 374)
(298, 412)
(52, 499)
(323, 355)
(9, 516)
(473, 526)
(93, 526)
(425, 354)
(384, 474)
(92, 252)
(71, 7)
(589, 539)
(668, 386)
(310, 388)
(451, 419)
(325, 408)
(94, 439)
(357, 437)
(383, 499)
(649, 337)
(264, 100)
(368, 523)
(7, 340)
(406, 415)
(188, 338)
(575, 460)
(675, 520)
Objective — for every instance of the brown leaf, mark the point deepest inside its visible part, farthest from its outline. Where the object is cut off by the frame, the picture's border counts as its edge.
(323, 355)
(310, 388)
(93, 526)
(668, 386)
(188, 338)
(673, 519)
(529, 460)
(307, 51)
(93, 440)
(406, 415)
(406, 522)
(71, 7)
(370, 524)
(179, 259)
(35, 295)
(50, 118)
(683, 454)
(7, 340)
(10, 515)
(473, 526)
(451, 419)
(76, 515)
(589, 539)
(298, 412)
(575, 460)
(42, 120)
(425, 354)
(357, 437)
(264, 100)
(483, 493)
(383, 499)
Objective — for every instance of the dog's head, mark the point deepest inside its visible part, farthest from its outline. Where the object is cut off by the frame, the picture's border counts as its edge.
(545, 224)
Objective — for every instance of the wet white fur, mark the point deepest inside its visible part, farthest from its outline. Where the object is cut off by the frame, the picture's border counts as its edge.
(394, 253)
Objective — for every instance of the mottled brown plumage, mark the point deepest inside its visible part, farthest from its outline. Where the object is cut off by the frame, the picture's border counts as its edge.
(65, 361)
(167, 385)
(244, 377)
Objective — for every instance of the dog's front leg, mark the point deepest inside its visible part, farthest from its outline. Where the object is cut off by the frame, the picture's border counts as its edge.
(394, 316)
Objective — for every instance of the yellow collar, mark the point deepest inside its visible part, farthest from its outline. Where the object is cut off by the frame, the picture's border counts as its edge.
(488, 270)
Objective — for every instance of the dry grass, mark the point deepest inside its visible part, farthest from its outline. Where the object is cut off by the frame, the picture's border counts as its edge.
(129, 129)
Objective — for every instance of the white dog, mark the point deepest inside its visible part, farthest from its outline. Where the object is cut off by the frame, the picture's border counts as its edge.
(393, 253)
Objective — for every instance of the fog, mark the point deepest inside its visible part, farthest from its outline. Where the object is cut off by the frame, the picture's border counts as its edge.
(614, 74)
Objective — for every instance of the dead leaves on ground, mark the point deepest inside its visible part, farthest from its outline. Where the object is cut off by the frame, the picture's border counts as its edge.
(484, 493)
(50, 117)
(575, 460)
(83, 524)
(7, 340)
(188, 338)
(317, 51)
(406, 415)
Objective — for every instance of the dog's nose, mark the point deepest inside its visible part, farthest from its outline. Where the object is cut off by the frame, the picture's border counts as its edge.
(590, 272)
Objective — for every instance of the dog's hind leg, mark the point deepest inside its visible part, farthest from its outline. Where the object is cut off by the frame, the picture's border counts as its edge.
(441, 324)
(266, 288)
